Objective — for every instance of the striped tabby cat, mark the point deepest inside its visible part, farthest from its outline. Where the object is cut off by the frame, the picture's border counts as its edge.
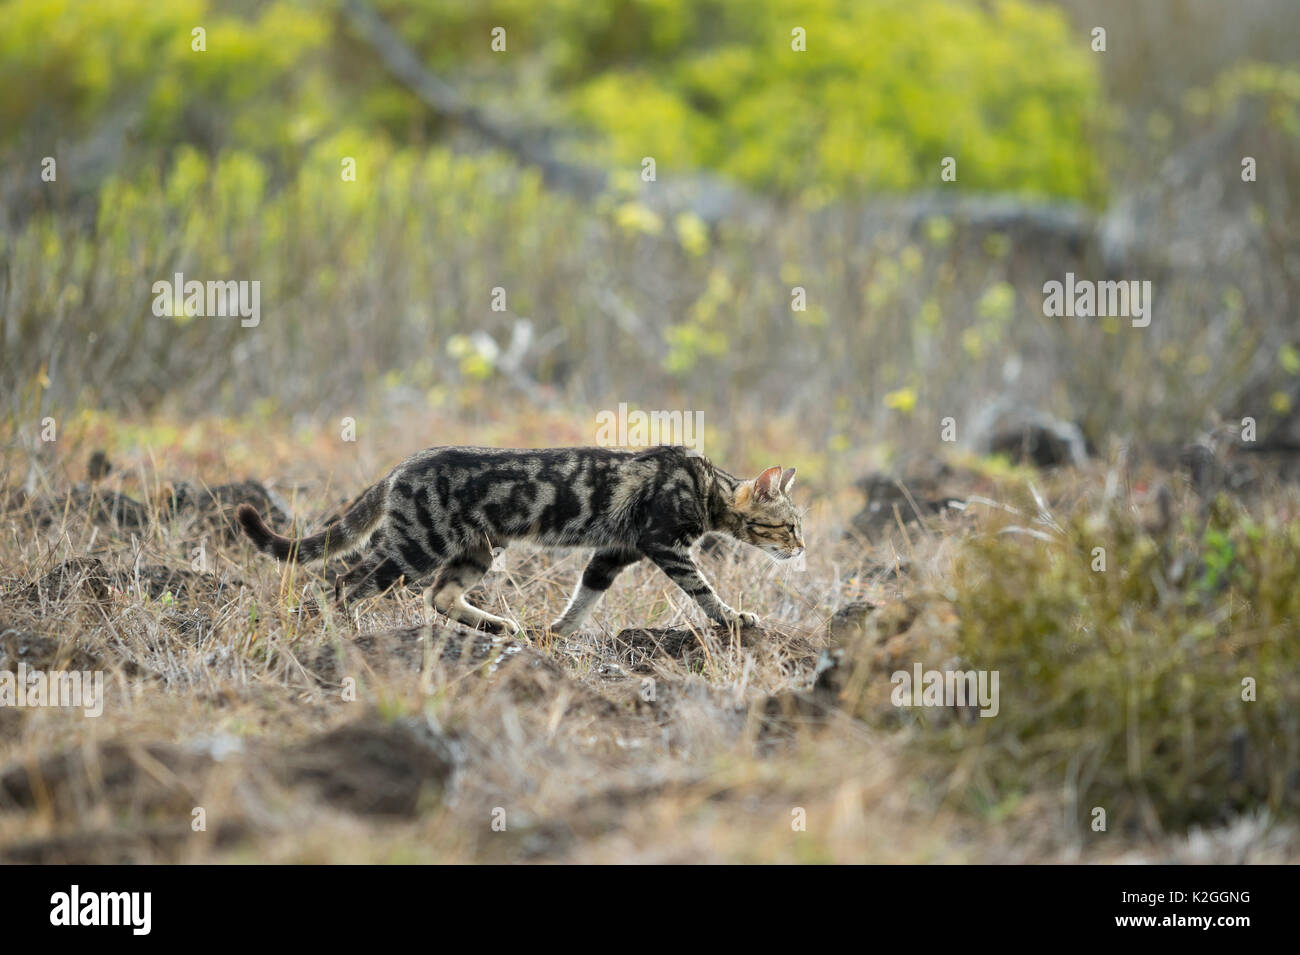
(439, 515)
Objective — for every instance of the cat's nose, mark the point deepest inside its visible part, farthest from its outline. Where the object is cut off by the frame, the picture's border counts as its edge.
(797, 552)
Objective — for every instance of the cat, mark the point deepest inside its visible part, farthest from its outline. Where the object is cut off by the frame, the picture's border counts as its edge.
(439, 515)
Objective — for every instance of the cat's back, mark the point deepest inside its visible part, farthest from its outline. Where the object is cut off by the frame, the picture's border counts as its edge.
(584, 496)
(514, 462)
(590, 479)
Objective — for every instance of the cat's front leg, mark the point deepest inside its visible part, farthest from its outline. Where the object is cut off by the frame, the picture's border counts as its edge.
(678, 564)
(601, 570)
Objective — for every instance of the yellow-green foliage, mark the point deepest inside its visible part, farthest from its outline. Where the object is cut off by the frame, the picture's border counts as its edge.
(1125, 686)
(259, 81)
(317, 244)
(884, 91)
(232, 171)
(1277, 86)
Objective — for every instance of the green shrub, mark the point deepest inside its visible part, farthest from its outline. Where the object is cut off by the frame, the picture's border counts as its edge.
(1125, 687)
(885, 90)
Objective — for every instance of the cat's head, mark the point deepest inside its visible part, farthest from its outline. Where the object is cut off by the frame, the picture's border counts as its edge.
(767, 517)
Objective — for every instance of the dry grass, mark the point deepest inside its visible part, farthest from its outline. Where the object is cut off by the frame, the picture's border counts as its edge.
(305, 740)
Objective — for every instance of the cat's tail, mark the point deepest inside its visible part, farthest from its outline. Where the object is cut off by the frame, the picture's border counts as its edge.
(340, 538)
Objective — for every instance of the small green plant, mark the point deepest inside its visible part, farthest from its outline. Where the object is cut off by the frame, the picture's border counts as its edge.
(1131, 688)
(1218, 556)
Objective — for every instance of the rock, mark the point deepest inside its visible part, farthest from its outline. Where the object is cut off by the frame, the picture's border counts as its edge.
(847, 622)
(403, 648)
(89, 503)
(888, 502)
(782, 714)
(98, 466)
(1029, 436)
(136, 778)
(870, 643)
(876, 622)
(40, 652)
(145, 844)
(636, 645)
(829, 673)
(157, 580)
(213, 508)
(1214, 463)
(84, 577)
(372, 767)
(1040, 445)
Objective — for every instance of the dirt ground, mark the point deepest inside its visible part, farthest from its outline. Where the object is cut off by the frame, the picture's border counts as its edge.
(241, 723)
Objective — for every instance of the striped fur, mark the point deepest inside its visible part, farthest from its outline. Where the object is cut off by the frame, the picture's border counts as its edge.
(438, 516)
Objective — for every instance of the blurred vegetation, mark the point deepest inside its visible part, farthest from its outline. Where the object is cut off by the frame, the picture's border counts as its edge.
(226, 164)
(376, 293)
(1145, 656)
(1160, 688)
(888, 89)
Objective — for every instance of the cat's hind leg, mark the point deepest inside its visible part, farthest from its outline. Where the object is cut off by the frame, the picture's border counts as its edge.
(389, 559)
(453, 579)
(375, 574)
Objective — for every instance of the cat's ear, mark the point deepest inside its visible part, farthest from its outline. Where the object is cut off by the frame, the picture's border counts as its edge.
(787, 478)
(767, 484)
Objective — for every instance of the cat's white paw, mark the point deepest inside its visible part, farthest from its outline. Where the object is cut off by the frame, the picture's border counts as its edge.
(742, 618)
(501, 627)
